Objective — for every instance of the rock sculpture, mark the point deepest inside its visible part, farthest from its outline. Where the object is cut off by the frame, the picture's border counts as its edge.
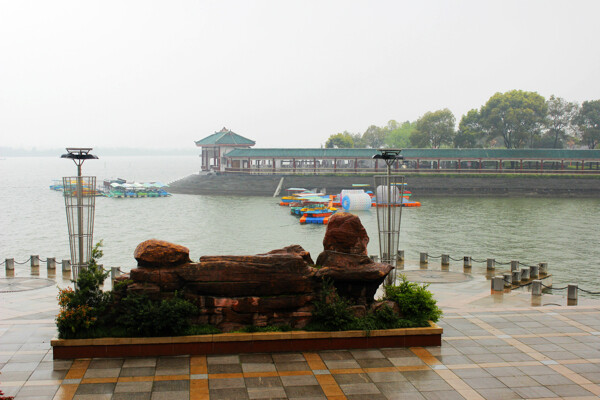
(274, 288)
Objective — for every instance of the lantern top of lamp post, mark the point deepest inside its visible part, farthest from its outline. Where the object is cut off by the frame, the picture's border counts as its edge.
(79, 153)
(389, 154)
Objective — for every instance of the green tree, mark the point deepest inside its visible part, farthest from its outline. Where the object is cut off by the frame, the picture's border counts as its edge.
(374, 137)
(398, 137)
(588, 121)
(516, 117)
(434, 129)
(470, 131)
(561, 114)
(340, 141)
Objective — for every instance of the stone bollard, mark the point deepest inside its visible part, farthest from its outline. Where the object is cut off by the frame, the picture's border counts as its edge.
(51, 263)
(507, 278)
(516, 277)
(9, 264)
(445, 259)
(543, 268)
(373, 257)
(514, 266)
(401, 255)
(534, 271)
(35, 261)
(572, 295)
(525, 274)
(536, 288)
(491, 264)
(467, 262)
(498, 284)
(66, 265)
(423, 258)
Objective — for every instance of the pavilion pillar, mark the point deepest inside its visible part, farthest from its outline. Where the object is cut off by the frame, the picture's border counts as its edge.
(438, 166)
(355, 164)
(418, 162)
(500, 164)
(315, 165)
(582, 164)
(459, 163)
(294, 164)
(541, 165)
(249, 164)
(562, 165)
(334, 165)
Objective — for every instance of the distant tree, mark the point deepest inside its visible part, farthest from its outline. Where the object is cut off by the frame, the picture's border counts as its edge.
(470, 131)
(559, 120)
(374, 137)
(399, 136)
(340, 141)
(359, 142)
(516, 117)
(434, 129)
(588, 122)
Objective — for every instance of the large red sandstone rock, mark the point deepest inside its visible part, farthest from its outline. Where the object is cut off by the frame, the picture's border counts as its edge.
(158, 253)
(345, 234)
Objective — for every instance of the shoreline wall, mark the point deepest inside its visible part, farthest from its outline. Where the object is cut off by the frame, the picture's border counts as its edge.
(429, 185)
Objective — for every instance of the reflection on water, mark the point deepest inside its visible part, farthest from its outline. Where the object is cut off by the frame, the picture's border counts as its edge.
(562, 232)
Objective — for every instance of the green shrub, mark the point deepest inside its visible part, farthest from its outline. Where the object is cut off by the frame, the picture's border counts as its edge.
(84, 309)
(141, 316)
(331, 312)
(415, 301)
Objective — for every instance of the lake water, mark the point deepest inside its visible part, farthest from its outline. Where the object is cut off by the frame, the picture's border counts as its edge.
(562, 232)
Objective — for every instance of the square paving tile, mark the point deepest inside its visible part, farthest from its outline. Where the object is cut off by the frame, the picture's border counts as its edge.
(226, 383)
(224, 368)
(228, 394)
(96, 388)
(343, 379)
(171, 386)
(299, 380)
(295, 392)
(266, 393)
(265, 381)
(132, 396)
(359, 388)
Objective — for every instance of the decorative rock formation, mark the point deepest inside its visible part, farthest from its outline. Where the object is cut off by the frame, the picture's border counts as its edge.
(265, 289)
(345, 234)
(158, 253)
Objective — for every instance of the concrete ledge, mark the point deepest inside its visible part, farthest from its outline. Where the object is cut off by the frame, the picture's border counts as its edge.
(259, 342)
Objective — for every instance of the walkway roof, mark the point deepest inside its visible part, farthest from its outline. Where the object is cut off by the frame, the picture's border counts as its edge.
(453, 154)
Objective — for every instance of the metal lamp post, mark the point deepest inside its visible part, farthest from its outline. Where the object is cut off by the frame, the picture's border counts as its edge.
(389, 192)
(80, 201)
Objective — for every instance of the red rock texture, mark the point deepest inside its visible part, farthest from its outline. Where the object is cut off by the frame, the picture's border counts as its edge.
(264, 289)
(158, 253)
(346, 234)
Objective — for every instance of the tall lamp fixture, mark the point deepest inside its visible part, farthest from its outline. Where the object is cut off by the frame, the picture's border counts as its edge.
(389, 192)
(80, 202)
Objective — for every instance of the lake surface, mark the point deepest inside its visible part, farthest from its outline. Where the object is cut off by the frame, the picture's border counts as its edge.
(562, 232)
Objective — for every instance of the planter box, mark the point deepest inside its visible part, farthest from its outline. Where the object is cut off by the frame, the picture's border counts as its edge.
(231, 343)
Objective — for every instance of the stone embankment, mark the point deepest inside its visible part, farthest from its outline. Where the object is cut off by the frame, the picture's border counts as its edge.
(431, 185)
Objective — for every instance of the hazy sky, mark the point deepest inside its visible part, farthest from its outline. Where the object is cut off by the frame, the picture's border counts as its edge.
(162, 74)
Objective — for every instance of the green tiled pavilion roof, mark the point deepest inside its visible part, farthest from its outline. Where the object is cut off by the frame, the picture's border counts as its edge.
(225, 137)
(454, 154)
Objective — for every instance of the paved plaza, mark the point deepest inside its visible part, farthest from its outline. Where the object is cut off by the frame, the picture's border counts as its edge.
(508, 350)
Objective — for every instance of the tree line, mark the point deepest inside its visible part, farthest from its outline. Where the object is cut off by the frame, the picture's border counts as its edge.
(511, 120)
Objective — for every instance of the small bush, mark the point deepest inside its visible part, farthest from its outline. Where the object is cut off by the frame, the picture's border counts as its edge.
(332, 312)
(81, 311)
(140, 316)
(415, 301)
